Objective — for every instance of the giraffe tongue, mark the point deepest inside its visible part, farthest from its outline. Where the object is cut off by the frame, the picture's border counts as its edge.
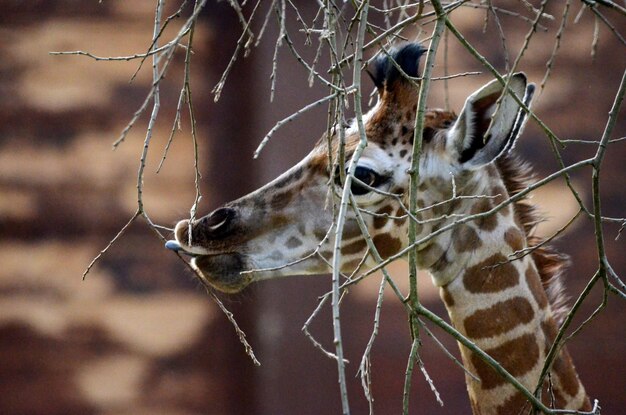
(176, 247)
(173, 245)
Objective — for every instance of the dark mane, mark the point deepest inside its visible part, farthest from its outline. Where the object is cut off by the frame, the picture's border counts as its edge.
(517, 175)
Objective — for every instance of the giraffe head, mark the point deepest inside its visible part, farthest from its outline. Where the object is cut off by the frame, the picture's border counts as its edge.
(287, 226)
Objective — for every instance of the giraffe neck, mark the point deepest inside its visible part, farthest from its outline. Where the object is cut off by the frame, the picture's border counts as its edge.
(502, 307)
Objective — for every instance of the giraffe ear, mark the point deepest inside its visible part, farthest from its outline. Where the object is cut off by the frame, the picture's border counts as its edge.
(476, 143)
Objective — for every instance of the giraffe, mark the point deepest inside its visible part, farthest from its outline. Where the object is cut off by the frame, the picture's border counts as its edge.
(501, 305)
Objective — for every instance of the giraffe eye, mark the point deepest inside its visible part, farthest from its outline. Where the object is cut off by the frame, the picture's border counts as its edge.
(367, 176)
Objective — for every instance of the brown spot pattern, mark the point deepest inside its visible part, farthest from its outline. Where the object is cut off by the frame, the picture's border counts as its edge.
(559, 399)
(351, 229)
(514, 238)
(517, 356)
(446, 296)
(536, 288)
(278, 221)
(301, 229)
(321, 233)
(386, 245)
(487, 223)
(293, 242)
(354, 247)
(564, 369)
(280, 200)
(382, 216)
(491, 275)
(499, 318)
(562, 366)
(549, 331)
(400, 213)
(465, 239)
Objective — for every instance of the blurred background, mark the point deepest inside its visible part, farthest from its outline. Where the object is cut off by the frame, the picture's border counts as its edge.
(140, 336)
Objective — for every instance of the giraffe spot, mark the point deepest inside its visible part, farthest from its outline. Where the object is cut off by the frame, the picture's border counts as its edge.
(401, 214)
(562, 366)
(491, 275)
(446, 296)
(293, 242)
(536, 288)
(499, 318)
(301, 229)
(549, 331)
(517, 356)
(465, 239)
(281, 200)
(278, 221)
(386, 245)
(320, 233)
(351, 229)
(559, 399)
(354, 247)
(283, 182)
(259, 203)
(440, 209)
(513, 405)
(514, 238)
(297, 174)
(456, 204)
(382, 216)
(564, 369)
(326, 253)
(487, 223)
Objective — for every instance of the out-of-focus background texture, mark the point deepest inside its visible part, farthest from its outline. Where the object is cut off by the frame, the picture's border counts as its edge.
(140, 336)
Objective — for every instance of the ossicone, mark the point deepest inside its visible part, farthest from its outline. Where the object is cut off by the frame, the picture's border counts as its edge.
(384, 70)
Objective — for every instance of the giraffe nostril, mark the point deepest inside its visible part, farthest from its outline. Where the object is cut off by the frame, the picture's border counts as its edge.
(219, 219)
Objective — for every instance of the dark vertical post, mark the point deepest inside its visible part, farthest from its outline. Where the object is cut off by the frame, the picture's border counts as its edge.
(228, 172)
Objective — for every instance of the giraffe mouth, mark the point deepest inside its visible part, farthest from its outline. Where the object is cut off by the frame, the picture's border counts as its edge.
(222, 271)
